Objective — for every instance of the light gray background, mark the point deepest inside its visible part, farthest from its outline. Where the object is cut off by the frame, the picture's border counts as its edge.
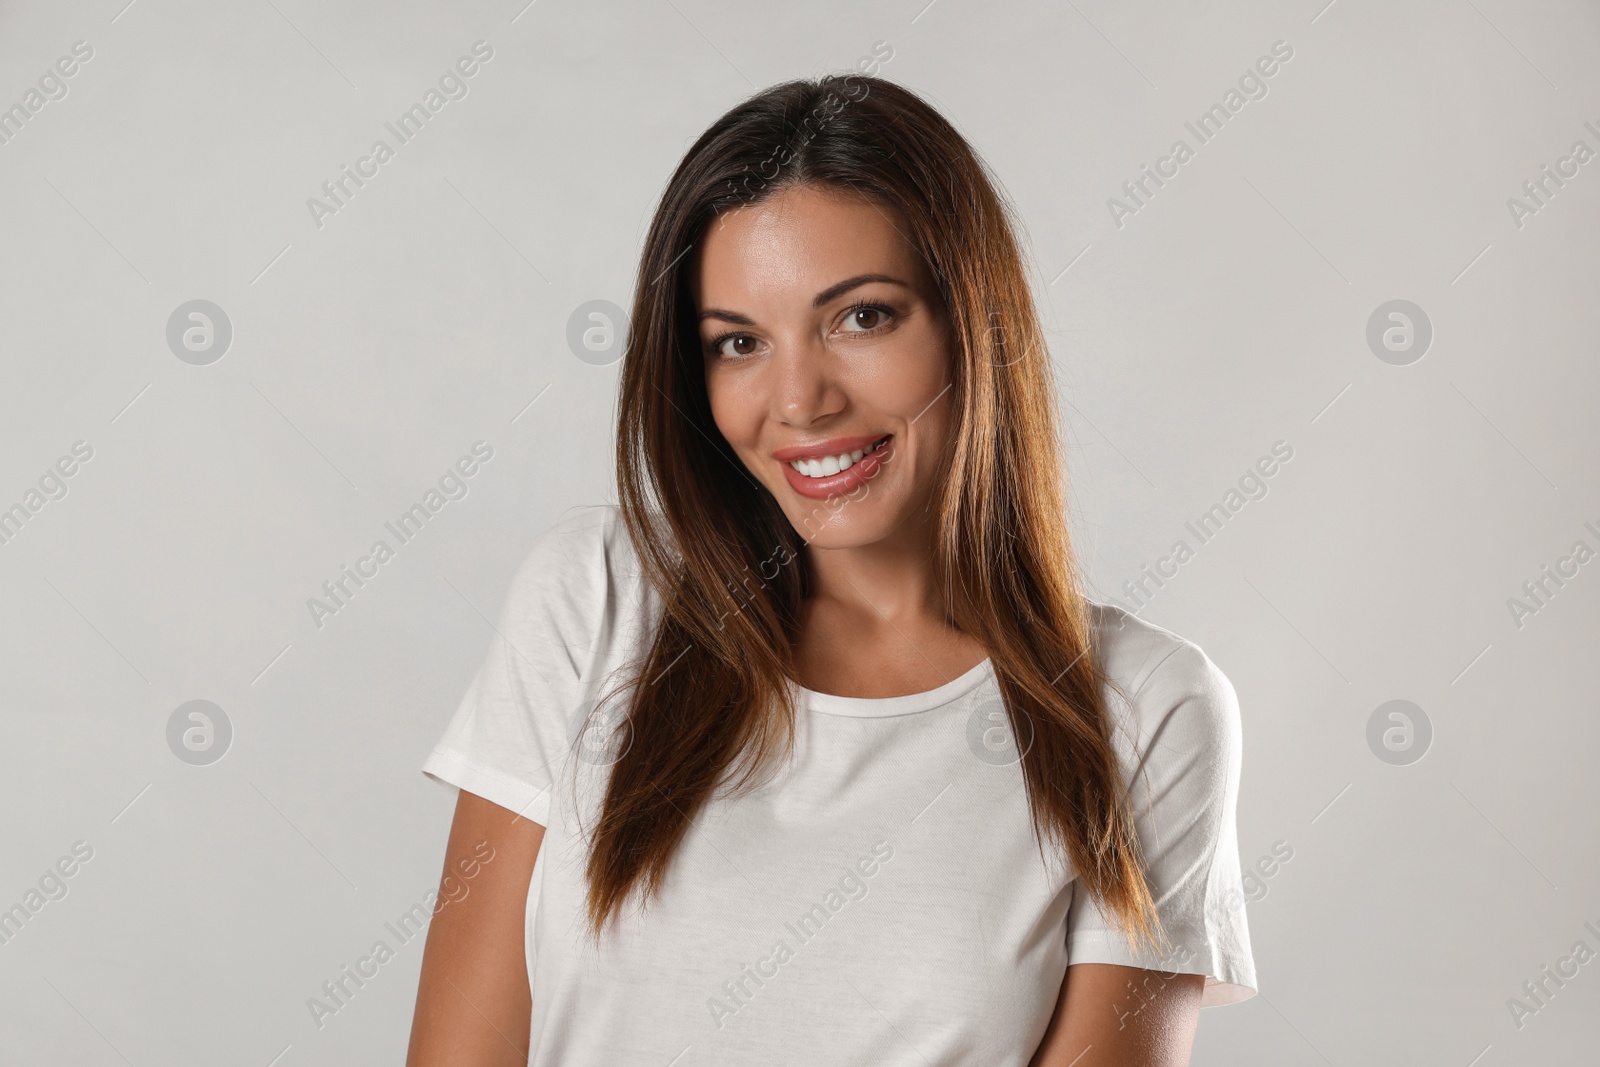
(369, 354)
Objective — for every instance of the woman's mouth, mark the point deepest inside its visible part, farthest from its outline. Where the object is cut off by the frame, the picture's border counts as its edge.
(826, 476)
(828, 466)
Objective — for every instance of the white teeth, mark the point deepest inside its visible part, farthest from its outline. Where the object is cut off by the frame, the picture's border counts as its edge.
(830, 465)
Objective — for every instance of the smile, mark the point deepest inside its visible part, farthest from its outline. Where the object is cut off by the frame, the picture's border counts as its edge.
(827, 476)
(828, 466)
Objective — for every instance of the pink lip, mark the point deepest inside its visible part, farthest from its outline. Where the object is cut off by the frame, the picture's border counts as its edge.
(834, 446)
(846, 481)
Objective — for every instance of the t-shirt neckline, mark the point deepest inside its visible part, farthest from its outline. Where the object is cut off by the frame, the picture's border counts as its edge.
(910, 703)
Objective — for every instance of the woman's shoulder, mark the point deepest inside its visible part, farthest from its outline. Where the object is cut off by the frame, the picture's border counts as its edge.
(582, 567)
(584, 528)
(583, 538)
(1159, 671)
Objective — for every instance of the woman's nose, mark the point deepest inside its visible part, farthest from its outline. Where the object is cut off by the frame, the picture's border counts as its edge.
(805, 387)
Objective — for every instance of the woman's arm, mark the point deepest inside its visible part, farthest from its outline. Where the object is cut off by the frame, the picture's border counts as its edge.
(473, 1000)
(1114, 1016)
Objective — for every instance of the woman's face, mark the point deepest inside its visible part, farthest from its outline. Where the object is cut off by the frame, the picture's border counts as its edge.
(820, 326)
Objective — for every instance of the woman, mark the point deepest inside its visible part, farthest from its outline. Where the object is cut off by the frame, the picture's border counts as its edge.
(822, 753)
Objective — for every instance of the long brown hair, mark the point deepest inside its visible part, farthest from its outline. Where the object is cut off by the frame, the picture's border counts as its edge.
(712, 691)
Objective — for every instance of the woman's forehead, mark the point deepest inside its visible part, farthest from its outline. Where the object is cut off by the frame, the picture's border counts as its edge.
(799, 240)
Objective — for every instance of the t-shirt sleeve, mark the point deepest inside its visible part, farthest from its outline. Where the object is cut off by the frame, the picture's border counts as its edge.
(510, 735)
(1183, 773)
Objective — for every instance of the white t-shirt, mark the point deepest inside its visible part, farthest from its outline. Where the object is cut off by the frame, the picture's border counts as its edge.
(879, 900)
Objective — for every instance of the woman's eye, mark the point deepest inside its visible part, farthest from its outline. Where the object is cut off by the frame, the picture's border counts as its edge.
(719, 347)
(868, 318)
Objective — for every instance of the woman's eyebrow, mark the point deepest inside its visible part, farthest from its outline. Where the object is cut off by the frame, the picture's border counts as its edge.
(835, 291)
(832, 292)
